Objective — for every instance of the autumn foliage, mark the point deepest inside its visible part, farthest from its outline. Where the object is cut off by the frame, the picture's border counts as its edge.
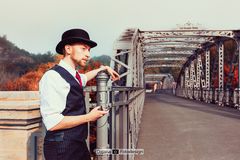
(30, 80)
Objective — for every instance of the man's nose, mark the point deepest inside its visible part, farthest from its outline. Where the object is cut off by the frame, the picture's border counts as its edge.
(87, 54)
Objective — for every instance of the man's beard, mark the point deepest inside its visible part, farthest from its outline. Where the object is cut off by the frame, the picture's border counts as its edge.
(80, 63)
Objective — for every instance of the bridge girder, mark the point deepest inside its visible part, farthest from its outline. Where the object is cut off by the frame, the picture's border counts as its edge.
(137, 49)
(165, 59)
(189, 33)
(171, 46)
(162, 65)
(177, 39)
(156, 77)
(168, 54)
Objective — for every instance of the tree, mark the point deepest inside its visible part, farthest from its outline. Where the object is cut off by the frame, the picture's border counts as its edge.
(30, 80)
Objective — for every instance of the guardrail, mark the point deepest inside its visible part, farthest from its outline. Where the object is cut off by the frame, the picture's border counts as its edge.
(225, 97)
(120, 128)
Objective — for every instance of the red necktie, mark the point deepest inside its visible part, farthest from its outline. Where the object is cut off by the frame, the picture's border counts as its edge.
(79, 78)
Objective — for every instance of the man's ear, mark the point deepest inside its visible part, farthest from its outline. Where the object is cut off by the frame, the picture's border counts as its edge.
(68, 49)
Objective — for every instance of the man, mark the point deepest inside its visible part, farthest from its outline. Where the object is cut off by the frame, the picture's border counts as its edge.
(62, 102)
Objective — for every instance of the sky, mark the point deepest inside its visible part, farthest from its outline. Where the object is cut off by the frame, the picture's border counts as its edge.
(37, 25)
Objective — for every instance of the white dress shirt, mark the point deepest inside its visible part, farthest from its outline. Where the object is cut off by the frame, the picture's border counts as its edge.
(53, 94)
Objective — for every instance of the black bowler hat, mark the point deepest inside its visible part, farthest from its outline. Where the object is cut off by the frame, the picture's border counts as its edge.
(73, 36)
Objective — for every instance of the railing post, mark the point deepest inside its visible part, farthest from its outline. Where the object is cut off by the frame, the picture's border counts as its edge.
(207, 77)
(102, 123)
(220, 73)
(227, 99)
(235, 97)
(238, 93)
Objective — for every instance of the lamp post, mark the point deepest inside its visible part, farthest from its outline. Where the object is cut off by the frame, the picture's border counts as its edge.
(102, 123)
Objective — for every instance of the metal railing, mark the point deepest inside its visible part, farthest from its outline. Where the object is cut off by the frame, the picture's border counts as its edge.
(118, 129)
(225, 97)
(125, 118)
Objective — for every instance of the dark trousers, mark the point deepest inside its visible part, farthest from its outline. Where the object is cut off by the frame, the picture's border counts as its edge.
(66, 150)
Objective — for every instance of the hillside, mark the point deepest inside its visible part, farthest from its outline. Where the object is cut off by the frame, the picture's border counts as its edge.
(19, 68)
(30, 80)
(15, 62)
(104, 59)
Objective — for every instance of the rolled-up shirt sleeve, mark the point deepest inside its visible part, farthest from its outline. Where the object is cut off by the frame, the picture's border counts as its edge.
(53, 96)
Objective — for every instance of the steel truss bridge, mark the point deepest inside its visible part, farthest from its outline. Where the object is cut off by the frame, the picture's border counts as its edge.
(206, 61)
(196, 64)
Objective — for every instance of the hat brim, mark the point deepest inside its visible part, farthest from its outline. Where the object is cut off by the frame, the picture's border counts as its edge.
(61, 44)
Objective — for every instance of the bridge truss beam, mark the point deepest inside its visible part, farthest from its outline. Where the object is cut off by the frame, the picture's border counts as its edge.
(207, 70)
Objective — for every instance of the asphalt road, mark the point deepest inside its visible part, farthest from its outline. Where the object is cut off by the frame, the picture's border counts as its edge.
(174, 128)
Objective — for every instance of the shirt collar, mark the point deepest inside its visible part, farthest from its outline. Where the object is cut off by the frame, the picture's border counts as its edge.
(67, 67)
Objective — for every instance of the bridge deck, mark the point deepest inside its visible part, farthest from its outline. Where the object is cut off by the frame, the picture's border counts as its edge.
(174, 128)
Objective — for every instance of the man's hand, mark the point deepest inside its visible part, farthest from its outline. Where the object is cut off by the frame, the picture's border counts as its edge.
(91, 74)
(73, 121)
(96, 113)
(114, 75)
